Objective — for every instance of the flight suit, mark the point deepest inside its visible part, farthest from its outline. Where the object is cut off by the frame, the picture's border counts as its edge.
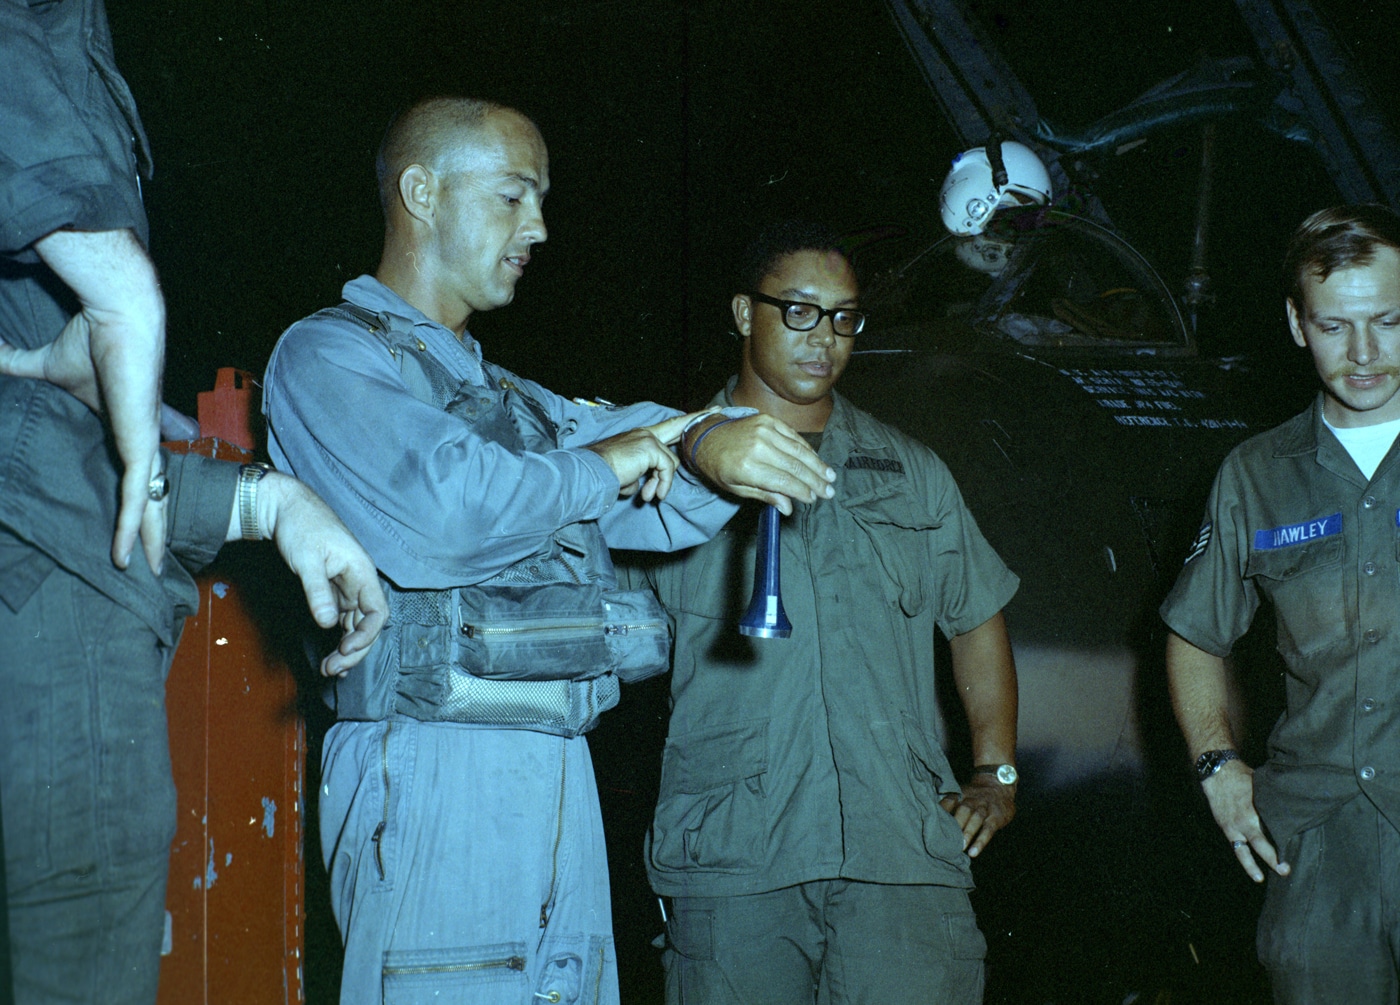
(89, 802)
(466, 862)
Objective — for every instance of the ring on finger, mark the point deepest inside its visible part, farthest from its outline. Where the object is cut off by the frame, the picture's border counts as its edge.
(158, 488)
(1237, 845)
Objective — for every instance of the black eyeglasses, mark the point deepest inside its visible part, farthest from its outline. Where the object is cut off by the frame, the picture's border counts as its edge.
(802, 317)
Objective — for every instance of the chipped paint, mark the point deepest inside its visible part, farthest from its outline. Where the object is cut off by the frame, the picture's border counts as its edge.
(269, 815)
(211, 875)
(220, 590)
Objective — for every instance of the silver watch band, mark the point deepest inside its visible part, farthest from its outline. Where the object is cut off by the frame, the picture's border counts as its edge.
(248, 477)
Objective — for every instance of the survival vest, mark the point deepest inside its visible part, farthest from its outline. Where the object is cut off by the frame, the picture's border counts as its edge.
(542, 644)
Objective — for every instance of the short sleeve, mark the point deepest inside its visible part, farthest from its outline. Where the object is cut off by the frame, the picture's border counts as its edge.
(972, 583)
(67, 155)
(1212, 603)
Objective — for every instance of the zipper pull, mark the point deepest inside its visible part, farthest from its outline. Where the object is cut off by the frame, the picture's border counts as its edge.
(378, 839)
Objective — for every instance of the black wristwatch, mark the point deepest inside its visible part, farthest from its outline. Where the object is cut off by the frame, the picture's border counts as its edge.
(1212, 761)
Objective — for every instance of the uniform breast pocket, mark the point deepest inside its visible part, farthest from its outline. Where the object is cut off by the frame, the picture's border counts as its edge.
(1306, 585)
(715, 579)
(897, 528)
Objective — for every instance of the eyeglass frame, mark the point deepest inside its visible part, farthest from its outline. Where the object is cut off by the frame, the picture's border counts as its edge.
(785, 305)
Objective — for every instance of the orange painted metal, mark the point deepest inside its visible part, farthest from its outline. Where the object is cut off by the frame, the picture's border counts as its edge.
(235, 899)
(227, 411)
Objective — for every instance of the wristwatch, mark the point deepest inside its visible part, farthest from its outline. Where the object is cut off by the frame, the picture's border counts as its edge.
(248, 477)
(1212, 761)
(1004, 773)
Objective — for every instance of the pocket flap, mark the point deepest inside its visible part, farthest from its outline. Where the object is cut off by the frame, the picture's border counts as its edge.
(891, 504)
(1285, 563)
(718, 755)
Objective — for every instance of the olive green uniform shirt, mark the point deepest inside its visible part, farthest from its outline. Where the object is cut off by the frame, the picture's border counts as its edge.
(1292, 519)
(820, 756)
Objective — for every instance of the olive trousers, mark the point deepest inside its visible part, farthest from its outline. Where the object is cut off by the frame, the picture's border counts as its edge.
(832, 942)
(89, 802)
(1330, 930)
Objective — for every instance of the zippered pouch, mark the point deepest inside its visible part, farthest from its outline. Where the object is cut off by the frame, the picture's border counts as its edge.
(558, 631)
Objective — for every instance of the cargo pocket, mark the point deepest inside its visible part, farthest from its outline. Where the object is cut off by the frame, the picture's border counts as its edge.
(473, 975)
(1305, 584)
(713, 813)
(1287, 919)
(714, 580)
(690, 933)
(573, 977)
(965, 939)
(967, 949)
(932, 779)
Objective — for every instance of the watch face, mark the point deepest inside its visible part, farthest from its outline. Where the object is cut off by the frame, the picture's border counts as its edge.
(1210, 762)
(1006, 774)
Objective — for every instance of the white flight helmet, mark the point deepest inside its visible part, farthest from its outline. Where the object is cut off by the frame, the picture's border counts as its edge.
(971, 193)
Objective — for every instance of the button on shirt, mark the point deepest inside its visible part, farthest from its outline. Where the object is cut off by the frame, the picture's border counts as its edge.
(1293, 520)
(820, 756)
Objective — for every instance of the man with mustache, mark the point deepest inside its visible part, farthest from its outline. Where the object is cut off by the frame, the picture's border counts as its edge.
(459, 815)
(1307, 516)
(810, 841)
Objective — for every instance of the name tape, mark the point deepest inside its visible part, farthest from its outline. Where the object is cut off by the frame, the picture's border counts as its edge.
(1297, 533)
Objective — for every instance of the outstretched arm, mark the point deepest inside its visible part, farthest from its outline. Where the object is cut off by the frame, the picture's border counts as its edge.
(758, 457)
(985, 674)
(642, 457)
(339, 579)
(1200, 698)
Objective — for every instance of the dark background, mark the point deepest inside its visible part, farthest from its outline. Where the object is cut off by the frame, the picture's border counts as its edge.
(675, 129)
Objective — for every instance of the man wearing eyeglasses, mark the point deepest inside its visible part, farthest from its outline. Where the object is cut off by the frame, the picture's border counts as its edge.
(810, 841)
(459, 816)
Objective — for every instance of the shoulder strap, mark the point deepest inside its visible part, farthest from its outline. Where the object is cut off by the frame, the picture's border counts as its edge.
(427, 379)
(529, 415)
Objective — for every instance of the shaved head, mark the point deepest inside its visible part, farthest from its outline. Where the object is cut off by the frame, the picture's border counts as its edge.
(462, 183)
(429, 133)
